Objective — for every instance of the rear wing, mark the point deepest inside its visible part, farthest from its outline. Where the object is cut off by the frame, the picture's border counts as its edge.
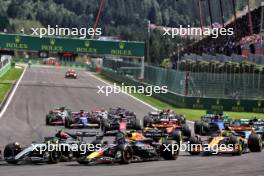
(86, 134)
(83, 134)
(155, 134)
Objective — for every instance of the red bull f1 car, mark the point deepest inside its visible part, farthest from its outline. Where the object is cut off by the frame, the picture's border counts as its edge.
(131, 147)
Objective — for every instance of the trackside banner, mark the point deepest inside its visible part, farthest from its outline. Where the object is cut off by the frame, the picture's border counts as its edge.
(56, 44)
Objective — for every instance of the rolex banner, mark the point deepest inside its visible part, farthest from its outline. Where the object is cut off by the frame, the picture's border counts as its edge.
(52, 44)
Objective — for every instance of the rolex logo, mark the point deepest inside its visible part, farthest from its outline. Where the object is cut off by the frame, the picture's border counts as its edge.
(198, 101)
(217, 101)
(238, 103)
(87, 44)
(52, 41)
(121, 45)
(17, 39)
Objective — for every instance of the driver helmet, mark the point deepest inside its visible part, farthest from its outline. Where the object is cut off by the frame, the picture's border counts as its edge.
(62, 135)
(81, 112)
(62, 108)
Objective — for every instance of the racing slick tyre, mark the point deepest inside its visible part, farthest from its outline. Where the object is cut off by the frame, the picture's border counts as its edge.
(147, 121)
(204, 128)
(182, 120)
(47, 120)
(177, 136)
(168, 151)
(237, 144)
(197, 127)
(194, 142)
(186, 131)
(255, 143)
(10, 151)
(138, 124)
(67, 123)
(67, 156)
(124, 154)
(53, 157)
(105, 126)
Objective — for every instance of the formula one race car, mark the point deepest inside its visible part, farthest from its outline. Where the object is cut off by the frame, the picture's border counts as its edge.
(167, 121)
(131, 147)
(258, 125)
(99, 113)
(14, 153)
(225, 142)
(211, 123)
(40, 153)
(119, 119)
(57, 116)
(82, 120)
(245, 129)
(71, 74)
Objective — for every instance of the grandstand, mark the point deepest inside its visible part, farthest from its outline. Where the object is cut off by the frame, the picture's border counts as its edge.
(229, 67)
(242, 42)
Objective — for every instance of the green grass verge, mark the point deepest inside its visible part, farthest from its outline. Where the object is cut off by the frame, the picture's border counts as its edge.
(191, 114)
(11, 75)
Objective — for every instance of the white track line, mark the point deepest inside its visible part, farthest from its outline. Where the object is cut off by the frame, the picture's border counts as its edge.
(107, 83)
(12, 94)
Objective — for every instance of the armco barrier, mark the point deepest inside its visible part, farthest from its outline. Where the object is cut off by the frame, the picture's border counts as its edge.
(193, 102)
(75, 65)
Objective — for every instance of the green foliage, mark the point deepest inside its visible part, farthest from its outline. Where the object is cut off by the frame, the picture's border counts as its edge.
(166, 63)
(11, 75)
(4, 22)
(123, 18)
(17, 25)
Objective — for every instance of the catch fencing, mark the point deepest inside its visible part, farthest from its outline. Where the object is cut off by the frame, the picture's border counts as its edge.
(196, 84)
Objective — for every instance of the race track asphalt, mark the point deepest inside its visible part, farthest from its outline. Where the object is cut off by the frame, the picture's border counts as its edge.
(41, 89)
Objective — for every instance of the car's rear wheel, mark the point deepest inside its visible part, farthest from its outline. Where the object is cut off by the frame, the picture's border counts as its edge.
(105, 126)
(237, 145)
(124, 154)
(197, 127)
(195, 146)
(177, 136)
(67, 123)
(255, 143)
(47, 120)
(138, 124)
(186, 131)
(170, 150)
(54, 157)
(204, 128)
(147, 121)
